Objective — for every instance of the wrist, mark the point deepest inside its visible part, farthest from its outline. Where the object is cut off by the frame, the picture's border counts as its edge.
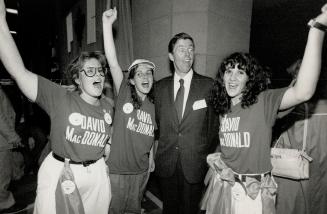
(315, 24)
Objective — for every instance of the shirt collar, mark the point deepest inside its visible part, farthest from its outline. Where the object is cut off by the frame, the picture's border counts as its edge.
(187, 78)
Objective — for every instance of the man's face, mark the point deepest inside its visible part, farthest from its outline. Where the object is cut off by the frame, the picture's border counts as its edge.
(182, 56)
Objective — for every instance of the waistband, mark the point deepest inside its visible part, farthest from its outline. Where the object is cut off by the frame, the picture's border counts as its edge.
(84, 163)
(258, 177)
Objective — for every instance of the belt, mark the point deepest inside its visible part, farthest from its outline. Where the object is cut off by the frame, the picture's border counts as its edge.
(258, 177)
(84, 163)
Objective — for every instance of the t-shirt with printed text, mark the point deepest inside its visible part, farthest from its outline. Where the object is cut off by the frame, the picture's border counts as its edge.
(133, 134)
(79, 130)
(245, 133)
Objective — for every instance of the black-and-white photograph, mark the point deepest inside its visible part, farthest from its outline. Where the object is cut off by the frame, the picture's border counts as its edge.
(163, 107)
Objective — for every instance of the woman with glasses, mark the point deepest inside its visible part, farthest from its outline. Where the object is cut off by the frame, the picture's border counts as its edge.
(130, 158)
(80, 126)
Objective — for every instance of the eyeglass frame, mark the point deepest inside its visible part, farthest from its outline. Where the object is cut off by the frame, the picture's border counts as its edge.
(94, 71)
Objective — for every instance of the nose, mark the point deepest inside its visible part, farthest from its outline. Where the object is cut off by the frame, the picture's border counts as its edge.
(233, 75)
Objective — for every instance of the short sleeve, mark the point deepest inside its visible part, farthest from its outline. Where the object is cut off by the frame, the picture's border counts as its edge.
(49, 94)
(272, 100)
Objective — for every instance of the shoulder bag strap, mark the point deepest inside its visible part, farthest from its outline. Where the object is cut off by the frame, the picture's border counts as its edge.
(305, 133)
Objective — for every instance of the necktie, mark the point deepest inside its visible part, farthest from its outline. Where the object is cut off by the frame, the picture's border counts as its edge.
(180, 100)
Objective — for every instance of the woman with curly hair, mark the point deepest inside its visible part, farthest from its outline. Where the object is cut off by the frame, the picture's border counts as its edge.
(131, 158)
(241, 181)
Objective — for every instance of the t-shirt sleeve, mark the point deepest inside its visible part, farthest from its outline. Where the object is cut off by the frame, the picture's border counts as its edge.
(272, 100)
(48, 94)
(123, 92)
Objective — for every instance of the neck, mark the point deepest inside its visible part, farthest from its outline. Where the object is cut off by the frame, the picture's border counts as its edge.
(141, 95)
(90, 100)
(236, 100)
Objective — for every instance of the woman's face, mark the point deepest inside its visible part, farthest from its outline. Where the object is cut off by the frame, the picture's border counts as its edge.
(91, 80)
(235, 80)
(143, 80)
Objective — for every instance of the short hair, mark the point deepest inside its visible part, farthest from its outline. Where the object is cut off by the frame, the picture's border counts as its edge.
(177, 37)
(256, 83)
(77, 64)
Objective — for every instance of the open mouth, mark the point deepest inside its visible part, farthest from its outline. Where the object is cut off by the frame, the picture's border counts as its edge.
(232, 86)
(145, 84)
(97, 84)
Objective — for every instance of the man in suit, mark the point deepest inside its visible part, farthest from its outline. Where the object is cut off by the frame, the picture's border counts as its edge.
(185, 130)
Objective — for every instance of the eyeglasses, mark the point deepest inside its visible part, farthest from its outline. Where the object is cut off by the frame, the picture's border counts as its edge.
(91, 71)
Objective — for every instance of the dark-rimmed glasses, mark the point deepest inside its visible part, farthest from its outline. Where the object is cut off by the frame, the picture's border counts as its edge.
(91, 71)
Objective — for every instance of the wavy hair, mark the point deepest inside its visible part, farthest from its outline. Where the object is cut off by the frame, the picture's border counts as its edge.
(77, 64)
(137, 102)
(258, 81)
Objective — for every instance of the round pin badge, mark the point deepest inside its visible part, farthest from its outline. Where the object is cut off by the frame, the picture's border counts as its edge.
(75, 119)
(68, 186)
(128, 108)
(107, 118)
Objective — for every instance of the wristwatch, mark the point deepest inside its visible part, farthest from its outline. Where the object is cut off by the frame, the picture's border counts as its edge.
(318, 25)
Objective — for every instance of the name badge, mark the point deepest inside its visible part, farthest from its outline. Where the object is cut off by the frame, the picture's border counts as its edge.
(199, 104)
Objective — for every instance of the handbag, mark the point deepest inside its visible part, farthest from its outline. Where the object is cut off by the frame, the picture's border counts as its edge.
(68, 198)
(291, 163)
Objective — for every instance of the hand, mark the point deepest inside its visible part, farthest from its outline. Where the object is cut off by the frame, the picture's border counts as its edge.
(151, 165)
(16, 142)
(106, 152)
(109, 16)
(322, 18)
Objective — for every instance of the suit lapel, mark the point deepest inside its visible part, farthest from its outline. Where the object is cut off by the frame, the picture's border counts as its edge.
(172, 102)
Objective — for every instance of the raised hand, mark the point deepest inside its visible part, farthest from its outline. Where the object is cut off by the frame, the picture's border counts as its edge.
(109, 16)
(322, 18)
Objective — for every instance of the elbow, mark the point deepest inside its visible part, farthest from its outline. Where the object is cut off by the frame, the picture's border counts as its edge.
(305, 96)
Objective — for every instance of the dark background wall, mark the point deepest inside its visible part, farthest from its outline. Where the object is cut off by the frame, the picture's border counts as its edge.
(279, 33)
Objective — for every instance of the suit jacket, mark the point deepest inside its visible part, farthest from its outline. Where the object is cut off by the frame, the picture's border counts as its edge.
(193, 138)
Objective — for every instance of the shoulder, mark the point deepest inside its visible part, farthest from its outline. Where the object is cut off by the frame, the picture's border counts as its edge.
(163, 82)
(203, 81)
(202, 77)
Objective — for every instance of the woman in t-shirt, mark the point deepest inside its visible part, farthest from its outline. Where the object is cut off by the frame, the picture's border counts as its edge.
(130, 158)
(80, 127)
(241, 181)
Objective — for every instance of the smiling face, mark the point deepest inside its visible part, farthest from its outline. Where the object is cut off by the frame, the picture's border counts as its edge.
(182, 56)
(142, 80)
(91, 87)
(235, 80)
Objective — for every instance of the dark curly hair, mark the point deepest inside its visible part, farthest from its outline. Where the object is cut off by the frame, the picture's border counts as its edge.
(137, 102)
(258, 81)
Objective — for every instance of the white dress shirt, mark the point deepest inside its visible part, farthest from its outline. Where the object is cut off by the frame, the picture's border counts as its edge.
(187, 83)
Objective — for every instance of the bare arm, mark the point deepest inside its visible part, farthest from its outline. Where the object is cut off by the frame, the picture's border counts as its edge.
(108, 18)
(308, 75)
(11, 59)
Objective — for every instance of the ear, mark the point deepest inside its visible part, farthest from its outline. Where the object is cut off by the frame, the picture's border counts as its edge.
(171, 57)
(77, 81)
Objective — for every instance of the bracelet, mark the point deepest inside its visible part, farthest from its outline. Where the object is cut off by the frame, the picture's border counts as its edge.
(318, 25)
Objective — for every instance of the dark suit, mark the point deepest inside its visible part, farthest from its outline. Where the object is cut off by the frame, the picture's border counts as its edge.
(183, 147)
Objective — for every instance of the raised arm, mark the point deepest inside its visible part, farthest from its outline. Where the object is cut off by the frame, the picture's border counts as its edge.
(11, 59)
(308, 75)
(108, 18)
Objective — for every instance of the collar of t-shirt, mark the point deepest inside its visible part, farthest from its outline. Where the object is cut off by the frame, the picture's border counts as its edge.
(187, 83)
